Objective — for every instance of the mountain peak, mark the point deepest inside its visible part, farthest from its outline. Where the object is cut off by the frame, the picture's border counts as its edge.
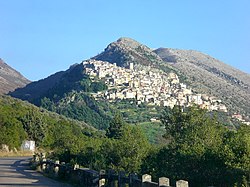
(127, 50)
(129, 42)
(126, 39)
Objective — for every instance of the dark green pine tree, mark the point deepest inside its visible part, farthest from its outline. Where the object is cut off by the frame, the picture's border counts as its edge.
(114, 130)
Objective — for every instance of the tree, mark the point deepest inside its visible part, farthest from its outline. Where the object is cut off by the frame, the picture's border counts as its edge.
(174, 121)
(114, 130)
(67, 137)
(237, 153)
(12, 133)
(200, 146)
(48, 104)
(127, 152)
(34, 125)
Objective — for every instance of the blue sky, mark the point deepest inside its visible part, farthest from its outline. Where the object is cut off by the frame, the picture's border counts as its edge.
(41, 37)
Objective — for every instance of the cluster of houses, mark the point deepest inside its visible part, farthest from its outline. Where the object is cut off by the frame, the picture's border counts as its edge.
(240, 118)
(146, 85)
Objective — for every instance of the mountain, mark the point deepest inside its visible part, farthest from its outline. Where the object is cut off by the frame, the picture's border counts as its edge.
(126, 50)
(70, 92)
(31, 92)
(202, 72)
(206, 74)
(66, 93)
(10, 79)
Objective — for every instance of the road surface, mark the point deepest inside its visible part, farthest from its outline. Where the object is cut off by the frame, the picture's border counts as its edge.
(14, 171)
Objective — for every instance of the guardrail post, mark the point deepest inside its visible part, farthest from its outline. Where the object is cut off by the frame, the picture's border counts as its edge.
(164, 182)
(43, 164)
(56, 168)
(102, 180)
(76, 166)
(146, 178)
(181, 183)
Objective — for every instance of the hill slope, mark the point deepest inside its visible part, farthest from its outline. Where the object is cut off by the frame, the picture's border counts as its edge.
(10, 79)
(208, 75)
(20, 120)
(66, 93)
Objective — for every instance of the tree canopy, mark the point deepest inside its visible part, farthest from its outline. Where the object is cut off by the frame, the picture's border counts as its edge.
(201, 150)
(115, 127)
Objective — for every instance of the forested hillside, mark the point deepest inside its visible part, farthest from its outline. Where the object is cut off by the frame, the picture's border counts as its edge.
(67, 93)
(20, 121)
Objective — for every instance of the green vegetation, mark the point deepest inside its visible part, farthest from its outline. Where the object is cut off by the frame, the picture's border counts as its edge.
(70, 97)
(125, 153)
(74, 80)
(153, 131)
(197, 147)
(79, 106)
(115, 127)
(201, 150)
(82, 106)
(130, 111)
(20, 120)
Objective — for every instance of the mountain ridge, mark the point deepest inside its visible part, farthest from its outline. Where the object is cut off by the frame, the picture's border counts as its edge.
(215, 62)
(209, 75)
(10, 79)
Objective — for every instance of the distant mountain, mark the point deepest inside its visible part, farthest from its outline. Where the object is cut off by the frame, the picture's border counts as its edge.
(31, 92)
(206, 74)
(10, 79)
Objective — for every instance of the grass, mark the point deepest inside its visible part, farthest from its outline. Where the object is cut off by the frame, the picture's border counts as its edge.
(15, 154)
(153, 131)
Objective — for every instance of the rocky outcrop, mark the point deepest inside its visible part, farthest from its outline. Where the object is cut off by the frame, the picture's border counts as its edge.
(125, 51)
(10, 79)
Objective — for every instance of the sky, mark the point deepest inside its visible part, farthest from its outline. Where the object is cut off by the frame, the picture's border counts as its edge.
(41, 37)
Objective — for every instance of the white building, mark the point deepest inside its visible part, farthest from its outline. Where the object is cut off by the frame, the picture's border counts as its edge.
(28, 146)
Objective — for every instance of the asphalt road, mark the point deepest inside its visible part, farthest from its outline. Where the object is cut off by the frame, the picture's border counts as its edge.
(14, 171)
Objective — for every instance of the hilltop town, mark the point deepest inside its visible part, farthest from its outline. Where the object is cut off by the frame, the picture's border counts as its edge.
(146, 85)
